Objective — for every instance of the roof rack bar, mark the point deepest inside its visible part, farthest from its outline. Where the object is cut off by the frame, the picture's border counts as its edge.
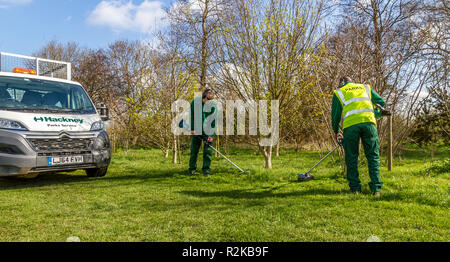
(32, 58)
(69, 71)
(37, 61)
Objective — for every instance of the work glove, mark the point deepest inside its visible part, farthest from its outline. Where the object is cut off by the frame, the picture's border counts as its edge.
(381, 111)
(207, 142)
(340, 141)
(385, 113)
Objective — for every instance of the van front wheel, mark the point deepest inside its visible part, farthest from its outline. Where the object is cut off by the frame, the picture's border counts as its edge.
(97, 172)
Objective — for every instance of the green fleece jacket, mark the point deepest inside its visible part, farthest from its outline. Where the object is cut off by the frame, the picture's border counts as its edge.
(336, 110)
(204, 115)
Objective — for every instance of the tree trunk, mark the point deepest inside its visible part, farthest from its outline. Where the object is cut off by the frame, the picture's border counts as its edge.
(166, 150)
(135, 139)
(268, 157)
(126, 146)
(204, 51)
(175, 151)
(277, 150)
(226, 145)
(390, 144)
(179, 151)
(218, 146)
(267, 152)
(432, 152)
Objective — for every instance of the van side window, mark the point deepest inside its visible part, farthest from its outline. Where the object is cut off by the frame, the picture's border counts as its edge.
(80, 100)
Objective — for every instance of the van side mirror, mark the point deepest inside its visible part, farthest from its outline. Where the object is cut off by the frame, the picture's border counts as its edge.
(103, 111)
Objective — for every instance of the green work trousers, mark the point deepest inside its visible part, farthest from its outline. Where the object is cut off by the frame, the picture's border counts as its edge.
(368, 134)
(196, 143)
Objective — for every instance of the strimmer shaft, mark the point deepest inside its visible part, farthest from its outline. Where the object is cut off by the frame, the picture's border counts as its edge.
(323, 159)
(231, 162)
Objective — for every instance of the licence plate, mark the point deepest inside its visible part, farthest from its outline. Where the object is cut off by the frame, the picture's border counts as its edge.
(64, 160)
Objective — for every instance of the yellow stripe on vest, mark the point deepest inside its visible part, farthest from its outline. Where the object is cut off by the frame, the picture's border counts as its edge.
(345, 103)
(357, 111)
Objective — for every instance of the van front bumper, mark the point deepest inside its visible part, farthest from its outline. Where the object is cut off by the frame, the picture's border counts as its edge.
(24, 152)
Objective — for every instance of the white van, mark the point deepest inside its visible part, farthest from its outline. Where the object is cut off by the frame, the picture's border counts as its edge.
(47, 122)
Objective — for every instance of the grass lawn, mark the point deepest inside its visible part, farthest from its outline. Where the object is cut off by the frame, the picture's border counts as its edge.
(145, 197)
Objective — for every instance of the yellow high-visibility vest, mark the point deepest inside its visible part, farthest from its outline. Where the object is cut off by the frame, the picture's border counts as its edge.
(356, 101)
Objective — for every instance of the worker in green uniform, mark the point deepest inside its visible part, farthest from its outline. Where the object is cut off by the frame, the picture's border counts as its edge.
(354, 105)
(203, 127)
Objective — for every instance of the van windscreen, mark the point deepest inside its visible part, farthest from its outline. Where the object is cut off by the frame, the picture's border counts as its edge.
(28, 94)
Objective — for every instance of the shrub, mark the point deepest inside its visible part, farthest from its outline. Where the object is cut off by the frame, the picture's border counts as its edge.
(439, 167)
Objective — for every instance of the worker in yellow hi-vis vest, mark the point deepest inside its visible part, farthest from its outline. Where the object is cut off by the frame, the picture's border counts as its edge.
(353, 104)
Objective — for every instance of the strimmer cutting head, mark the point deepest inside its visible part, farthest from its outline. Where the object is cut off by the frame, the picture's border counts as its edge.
(305, 177)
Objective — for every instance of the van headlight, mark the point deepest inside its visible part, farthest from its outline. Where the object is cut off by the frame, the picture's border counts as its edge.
(97, 126)
(101, 141)
(11, 124)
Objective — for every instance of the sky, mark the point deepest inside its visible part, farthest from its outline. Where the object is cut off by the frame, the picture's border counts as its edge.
(27, 25)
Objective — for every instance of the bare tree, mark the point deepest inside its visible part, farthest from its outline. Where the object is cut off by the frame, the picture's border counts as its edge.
(131, 67)
(196, 23)
(174, 81)
(267, 50)
(55, 50)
